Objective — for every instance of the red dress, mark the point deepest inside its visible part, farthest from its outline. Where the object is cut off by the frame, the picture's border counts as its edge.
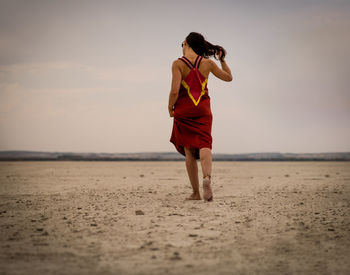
(192, 113)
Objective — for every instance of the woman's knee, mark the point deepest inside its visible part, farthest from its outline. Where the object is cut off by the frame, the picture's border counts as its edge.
(204, 153)
(190, 153)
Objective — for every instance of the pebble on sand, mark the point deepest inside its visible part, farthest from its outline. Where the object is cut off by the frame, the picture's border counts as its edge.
(139, 212)
(176, 256)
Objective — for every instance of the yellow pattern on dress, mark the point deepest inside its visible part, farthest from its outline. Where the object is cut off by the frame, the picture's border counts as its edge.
(189, 92)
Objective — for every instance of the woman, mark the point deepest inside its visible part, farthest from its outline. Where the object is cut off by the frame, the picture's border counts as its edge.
(189, 104)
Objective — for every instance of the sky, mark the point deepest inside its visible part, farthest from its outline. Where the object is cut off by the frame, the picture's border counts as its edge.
(94, 76)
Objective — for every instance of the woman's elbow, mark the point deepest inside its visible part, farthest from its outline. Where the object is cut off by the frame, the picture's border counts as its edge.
(229, 78)
(174, 92)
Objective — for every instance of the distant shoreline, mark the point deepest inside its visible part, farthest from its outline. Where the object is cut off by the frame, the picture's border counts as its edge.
(167, 156)
(157, 160)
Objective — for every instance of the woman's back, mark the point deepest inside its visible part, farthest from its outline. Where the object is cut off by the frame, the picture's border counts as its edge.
(204, 67)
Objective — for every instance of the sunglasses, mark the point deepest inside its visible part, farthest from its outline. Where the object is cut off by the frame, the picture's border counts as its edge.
(182, 44)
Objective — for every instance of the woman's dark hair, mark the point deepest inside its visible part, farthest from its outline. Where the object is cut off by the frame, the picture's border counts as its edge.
(202, 47)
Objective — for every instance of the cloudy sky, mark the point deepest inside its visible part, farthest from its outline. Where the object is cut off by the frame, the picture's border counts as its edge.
(94, 76)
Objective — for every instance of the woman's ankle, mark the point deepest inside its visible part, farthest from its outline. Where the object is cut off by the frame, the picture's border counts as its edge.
(207, 176)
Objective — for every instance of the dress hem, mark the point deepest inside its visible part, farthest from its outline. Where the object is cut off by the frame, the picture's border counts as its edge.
(181, 149)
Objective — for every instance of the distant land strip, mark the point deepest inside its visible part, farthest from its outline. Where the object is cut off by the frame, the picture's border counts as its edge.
(167, 156)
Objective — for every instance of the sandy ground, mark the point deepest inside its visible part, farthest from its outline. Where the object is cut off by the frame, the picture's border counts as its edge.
(86, 218)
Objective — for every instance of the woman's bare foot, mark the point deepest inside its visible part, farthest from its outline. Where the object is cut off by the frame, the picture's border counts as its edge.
(194, 196)
(207, 192)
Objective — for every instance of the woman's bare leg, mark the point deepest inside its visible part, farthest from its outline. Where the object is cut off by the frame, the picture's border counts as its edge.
(206, 162)
(192, 171)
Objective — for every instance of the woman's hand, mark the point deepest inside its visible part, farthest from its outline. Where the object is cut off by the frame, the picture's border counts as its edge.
(171, 112)
(219, 55)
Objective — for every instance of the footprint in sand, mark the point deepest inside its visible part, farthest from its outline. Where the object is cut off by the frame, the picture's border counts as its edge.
(176, 256)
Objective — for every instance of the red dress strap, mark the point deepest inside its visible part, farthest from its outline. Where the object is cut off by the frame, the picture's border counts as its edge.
(187, 62)
(198, 61)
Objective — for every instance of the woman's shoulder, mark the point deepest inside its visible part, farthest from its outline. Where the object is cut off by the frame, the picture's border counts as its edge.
(177, 61)
(207, 61)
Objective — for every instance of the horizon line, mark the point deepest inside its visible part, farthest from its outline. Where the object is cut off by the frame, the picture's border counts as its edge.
(167, 152)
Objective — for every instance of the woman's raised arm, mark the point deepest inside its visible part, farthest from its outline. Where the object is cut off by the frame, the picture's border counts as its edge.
(224, 73)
